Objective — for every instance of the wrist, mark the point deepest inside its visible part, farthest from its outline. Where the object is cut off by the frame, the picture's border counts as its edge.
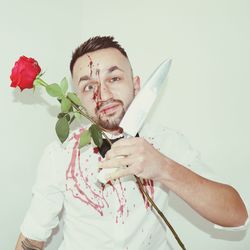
(166, 171)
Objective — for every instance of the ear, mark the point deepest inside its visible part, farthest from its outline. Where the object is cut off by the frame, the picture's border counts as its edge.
(137, 84)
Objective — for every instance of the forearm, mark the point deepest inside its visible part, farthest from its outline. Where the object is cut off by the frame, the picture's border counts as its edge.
(24, 243)
(219, 203)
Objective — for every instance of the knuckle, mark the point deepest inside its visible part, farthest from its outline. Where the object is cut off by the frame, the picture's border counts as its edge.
(142, 145)
(141, 159)
(107, 156)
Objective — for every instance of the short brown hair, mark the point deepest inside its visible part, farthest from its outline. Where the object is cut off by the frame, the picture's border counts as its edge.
(93, 44)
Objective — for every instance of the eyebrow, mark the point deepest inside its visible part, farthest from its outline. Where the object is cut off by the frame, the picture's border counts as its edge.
(113, 68)
(109, 70)
(83, 78)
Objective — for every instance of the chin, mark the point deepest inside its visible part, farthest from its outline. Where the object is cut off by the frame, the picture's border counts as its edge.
(111, 122)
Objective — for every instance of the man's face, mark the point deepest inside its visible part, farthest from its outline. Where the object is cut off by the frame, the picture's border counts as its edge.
(105, 85)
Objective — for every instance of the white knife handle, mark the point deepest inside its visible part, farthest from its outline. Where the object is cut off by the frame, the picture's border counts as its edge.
(105, 172)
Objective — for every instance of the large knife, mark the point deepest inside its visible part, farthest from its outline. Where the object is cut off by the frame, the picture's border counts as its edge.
(144, 100)
(138, 110)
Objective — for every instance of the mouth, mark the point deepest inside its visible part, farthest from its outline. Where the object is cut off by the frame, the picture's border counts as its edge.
(109, 109)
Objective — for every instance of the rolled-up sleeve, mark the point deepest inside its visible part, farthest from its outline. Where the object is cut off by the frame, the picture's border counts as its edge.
(200, 168)
(47, 197)
(178, 148)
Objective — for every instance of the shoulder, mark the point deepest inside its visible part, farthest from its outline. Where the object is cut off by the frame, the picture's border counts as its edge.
(170, 142)
(162, 133)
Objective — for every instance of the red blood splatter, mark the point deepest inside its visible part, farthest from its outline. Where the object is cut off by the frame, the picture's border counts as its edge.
(96, 98)
(110, 183)
(121, 199)
(149, 186)
(90, 66)
(95, 95)
(96, 150)
(81, 187)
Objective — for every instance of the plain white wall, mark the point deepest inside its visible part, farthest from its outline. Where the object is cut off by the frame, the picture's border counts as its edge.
(48, 31)
(206, 97)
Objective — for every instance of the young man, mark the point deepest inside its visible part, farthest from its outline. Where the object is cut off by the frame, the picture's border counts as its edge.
(117, 215)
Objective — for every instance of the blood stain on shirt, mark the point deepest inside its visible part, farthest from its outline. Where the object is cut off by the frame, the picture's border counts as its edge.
(95, 150)
(80, 186)
(83, 188)
(148, 185)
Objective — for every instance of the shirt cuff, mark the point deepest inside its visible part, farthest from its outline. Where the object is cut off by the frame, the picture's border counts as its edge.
(239, 228)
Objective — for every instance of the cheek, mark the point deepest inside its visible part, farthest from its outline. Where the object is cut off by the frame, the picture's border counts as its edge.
(127, 95)
(88, 102)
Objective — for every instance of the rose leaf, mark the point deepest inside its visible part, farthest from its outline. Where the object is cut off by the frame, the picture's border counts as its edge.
(96, 134)
(54, 90)
(74, 98)
(65, 104)
(64, 85)
(62, 129)
(85, 138)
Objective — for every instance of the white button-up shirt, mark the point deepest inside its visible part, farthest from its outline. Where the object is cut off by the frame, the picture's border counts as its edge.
(96, 216)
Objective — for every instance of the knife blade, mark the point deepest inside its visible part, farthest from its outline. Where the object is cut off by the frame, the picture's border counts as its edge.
(144, 100)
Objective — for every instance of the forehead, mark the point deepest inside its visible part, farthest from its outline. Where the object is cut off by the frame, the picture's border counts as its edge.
(102, 60)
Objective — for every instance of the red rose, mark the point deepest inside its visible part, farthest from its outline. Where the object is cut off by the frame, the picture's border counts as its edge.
(24, 73)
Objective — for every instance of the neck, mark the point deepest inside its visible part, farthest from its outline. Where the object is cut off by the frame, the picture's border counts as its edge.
(115, 131)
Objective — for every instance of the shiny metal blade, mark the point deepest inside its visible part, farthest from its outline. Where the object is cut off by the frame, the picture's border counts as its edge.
(144, 100)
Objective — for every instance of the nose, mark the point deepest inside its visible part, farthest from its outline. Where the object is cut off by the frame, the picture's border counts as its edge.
(104, 92)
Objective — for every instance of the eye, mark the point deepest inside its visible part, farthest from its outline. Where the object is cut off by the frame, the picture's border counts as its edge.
(115, 79)
(89, 87)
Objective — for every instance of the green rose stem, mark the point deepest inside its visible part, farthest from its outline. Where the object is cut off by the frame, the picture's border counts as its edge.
(84, 114)
(160, 213)
(141, 187)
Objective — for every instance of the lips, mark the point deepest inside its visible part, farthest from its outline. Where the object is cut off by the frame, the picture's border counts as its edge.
(109, 108)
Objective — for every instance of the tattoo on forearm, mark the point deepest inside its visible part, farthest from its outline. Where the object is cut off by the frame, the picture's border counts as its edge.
(28, 245)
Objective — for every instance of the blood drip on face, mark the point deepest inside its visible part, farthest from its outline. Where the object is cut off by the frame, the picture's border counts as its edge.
(90, 66)
(96, 98)
(96, 95)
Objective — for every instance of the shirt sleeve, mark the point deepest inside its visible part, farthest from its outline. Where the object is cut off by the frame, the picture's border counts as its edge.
(177, 147)
(198, 166)
(47, 197)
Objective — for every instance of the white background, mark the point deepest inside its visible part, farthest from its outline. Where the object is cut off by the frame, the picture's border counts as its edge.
(206, 98)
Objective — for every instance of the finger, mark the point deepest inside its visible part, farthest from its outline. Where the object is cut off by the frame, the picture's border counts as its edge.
(126, 141)
(120, 151)
(116, 162)
(119, 173)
